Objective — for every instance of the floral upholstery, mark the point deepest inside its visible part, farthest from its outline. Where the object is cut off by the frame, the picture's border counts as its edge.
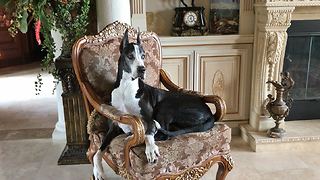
(177, 153)
(99, 62)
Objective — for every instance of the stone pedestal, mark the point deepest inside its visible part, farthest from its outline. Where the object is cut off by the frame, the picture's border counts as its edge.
(75, 115)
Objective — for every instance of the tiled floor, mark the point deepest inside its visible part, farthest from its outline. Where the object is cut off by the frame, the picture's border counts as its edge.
(28, 152)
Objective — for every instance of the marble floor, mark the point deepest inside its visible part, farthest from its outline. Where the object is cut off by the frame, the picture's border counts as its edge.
(27, 151)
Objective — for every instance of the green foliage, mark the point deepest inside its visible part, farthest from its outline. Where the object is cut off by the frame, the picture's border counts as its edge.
(23, 21)
(70, 19)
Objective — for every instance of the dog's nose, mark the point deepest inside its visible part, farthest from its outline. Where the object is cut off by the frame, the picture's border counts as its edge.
(141, 69)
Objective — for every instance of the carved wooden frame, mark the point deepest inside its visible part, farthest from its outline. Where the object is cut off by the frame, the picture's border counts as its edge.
(93, 102)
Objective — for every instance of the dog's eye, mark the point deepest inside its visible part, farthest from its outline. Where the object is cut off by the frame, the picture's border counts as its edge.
(130, 56)
(143, 56)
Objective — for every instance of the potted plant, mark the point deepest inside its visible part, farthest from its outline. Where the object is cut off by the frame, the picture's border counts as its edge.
(69, 17)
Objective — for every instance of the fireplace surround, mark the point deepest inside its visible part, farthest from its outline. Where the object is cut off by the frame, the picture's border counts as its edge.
(272, 19)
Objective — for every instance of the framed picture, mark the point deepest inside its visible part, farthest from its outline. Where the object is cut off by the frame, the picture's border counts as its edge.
(224, 17)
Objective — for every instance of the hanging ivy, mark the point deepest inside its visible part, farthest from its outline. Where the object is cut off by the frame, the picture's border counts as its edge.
(69, 17)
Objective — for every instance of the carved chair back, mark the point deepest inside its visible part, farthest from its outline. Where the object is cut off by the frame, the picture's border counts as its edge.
(98, 58)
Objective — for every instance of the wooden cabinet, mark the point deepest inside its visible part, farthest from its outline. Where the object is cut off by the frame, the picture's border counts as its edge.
(178, 64)
(196, 63)
(18, 50)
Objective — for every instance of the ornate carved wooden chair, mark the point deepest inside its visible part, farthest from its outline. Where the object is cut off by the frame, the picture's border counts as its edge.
(188, 156)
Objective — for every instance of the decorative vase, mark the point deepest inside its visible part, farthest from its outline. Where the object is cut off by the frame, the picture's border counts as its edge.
(278, 109)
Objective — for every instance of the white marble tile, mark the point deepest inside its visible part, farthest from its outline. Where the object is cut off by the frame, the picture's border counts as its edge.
(21, 159)
(275, 161)
(36, 159)
(293, 174)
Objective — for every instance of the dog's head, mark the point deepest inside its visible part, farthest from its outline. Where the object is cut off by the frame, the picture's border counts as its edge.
(132, 57)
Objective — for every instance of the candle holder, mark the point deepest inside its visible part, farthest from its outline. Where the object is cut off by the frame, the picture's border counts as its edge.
(278, 109)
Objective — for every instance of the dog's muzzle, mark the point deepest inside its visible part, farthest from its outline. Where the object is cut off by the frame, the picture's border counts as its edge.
(141, 70)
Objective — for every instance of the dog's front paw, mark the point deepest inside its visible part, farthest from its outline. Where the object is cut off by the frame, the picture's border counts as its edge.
(97, 166)
(98, 174)
(152, 153)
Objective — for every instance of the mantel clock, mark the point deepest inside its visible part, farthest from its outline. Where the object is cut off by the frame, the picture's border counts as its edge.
(189, 21)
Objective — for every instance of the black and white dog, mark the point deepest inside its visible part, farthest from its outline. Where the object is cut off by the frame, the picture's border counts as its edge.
(158, 109)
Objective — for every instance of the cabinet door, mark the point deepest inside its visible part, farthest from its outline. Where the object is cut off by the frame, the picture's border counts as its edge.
(232, 68)
(177, 63)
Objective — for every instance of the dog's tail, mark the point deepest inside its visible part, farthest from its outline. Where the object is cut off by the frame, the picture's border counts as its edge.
(197, 128)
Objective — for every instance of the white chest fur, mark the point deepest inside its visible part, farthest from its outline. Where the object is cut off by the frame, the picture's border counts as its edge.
(123, 98)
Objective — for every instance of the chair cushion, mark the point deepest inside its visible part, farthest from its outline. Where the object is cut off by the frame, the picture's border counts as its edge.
(177, 154)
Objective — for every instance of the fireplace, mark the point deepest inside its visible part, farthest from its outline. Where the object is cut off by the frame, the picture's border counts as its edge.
(273, 18)
(302, 61)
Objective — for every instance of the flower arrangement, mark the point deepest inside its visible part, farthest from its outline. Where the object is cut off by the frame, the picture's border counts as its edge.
(69, 17)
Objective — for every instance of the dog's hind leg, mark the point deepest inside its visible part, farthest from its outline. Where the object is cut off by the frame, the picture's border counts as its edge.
(97, 158)
(196, 128)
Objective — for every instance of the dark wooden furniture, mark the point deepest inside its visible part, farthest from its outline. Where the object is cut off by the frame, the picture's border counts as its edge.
(188, 156)
(18, 50)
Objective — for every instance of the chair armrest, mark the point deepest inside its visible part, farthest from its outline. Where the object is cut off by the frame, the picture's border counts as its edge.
(221, 107)
(118, 116)
(165, 80)
(219, 103)
(132, 120)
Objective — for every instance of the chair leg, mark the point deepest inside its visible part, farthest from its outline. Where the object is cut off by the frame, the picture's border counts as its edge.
(222, 172)
(225, 166)
(92, 177)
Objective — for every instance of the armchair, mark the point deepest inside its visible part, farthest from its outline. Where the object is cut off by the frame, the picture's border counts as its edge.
(188, 156)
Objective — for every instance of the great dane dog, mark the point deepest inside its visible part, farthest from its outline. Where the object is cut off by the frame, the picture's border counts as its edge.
(158, 109)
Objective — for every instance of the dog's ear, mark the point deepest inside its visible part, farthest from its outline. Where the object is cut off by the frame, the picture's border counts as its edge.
(125, 41)
(138, 37)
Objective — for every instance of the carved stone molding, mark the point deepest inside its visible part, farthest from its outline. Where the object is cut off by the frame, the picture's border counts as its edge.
(269, 48)
(218, 83)
(273, 24)
(264, 111)
(287, 140)
(287, 3)
(279, 17)
(276, 41)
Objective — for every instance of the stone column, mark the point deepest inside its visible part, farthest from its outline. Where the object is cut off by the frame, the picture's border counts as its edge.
(60, 128)
(271, 24)
(139, 14)
(109, 11)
